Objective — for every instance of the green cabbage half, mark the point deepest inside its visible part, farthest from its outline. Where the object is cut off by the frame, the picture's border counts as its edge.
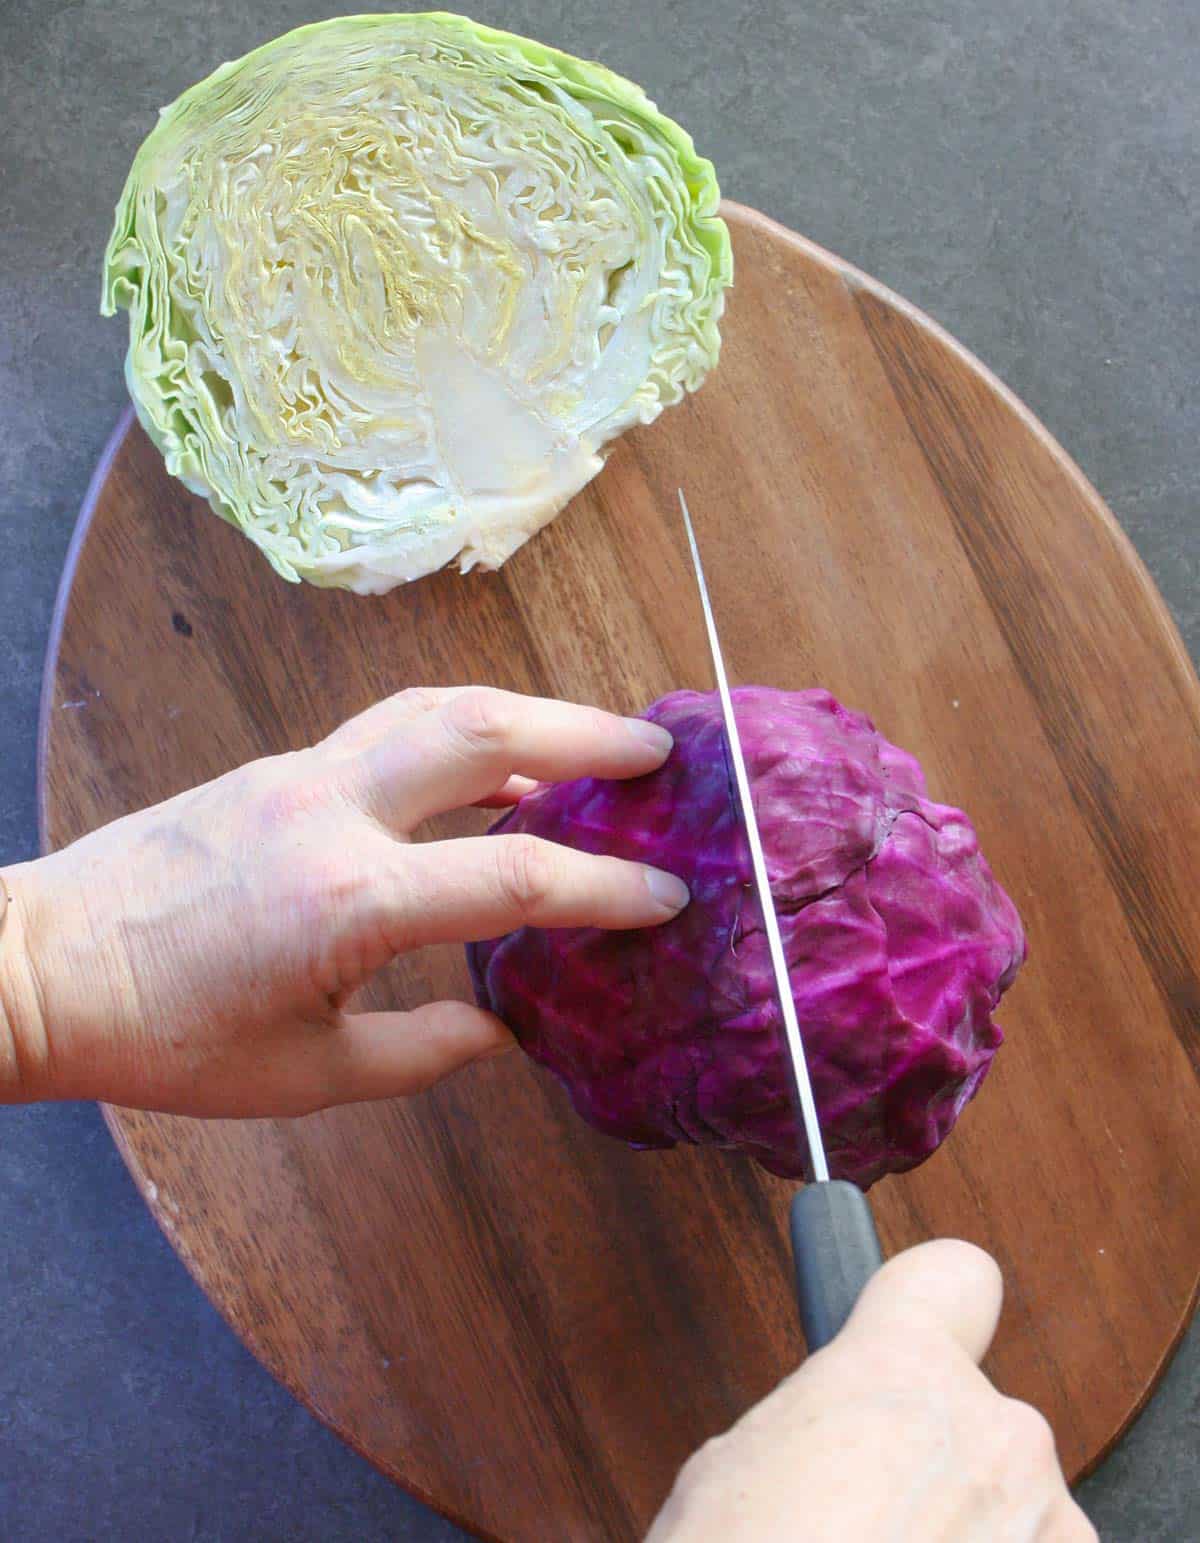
(394, 281)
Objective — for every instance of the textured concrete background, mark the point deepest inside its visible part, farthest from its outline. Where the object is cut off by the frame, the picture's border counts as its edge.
(1027, 172)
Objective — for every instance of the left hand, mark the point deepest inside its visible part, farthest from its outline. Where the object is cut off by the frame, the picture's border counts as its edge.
(196, 957)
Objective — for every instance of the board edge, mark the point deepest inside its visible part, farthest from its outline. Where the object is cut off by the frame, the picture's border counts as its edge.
(857, 279)
(58, 617)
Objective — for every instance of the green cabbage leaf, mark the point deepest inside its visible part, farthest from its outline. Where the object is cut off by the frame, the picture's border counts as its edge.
(394, 282)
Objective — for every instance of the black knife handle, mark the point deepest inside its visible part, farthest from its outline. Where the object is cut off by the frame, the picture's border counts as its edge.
(836, 1251)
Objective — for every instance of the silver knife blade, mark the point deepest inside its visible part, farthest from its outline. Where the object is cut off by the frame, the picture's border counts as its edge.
(795, 1044)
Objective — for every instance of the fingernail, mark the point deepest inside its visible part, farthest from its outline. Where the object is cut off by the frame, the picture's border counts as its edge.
(652, 734)
(670, 892)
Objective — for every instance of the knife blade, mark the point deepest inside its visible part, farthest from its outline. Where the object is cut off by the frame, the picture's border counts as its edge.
(835, 1246)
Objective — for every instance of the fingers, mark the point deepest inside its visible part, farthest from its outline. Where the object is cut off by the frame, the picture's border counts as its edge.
(1067, 1523)
(392, 1055)
(947, 1287)
(481, 887)
(466, 747)
(513, 791)
(1022, 1469)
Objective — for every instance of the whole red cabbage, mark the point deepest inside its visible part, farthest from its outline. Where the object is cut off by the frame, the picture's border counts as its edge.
(899, 944)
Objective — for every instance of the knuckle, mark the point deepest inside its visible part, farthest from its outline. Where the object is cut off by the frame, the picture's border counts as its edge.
(480, 719)
(285, 789)
(526, 869)
(414, 700)
(330, 888)
(1074, 1527)
(705, 1465)
(1028, 1429)
(601, 724)
(339, 884)
(279, 806)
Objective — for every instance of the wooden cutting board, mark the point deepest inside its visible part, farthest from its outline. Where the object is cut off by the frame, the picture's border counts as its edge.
(518, 1319)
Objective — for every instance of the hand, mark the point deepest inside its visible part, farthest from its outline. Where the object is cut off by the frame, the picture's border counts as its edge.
(196, 957)
(891, 1434)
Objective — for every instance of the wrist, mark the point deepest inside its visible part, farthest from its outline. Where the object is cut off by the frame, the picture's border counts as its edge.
(24, 1033)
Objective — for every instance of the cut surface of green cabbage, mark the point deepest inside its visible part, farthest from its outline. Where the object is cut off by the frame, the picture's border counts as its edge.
(394, 282)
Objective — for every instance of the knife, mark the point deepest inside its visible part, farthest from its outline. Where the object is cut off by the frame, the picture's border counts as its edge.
(835, 1248)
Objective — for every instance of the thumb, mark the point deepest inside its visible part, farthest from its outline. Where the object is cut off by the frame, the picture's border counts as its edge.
(393, 1054)
(947, 1287)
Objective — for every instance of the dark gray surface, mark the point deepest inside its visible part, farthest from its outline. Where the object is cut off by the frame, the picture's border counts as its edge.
(1026, 172)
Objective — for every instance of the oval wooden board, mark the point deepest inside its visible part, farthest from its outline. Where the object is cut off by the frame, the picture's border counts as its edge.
(521, 1321)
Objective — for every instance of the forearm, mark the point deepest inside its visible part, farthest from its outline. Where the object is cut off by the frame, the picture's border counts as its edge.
(24, 1042)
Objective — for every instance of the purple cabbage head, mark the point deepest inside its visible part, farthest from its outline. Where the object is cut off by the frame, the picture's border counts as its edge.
(898, 939)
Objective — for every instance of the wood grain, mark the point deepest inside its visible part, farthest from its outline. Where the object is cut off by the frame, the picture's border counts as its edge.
(521, 1321)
